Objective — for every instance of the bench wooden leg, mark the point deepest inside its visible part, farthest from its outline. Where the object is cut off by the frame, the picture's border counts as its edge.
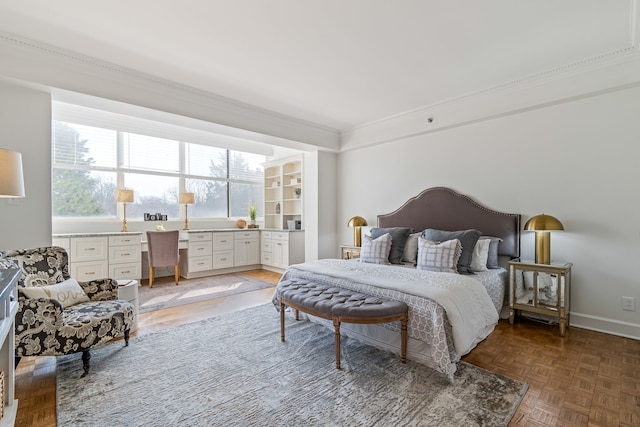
(282, 321)
(336, 325)
(403, 350)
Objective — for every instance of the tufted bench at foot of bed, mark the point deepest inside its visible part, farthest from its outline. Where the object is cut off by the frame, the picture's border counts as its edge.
(340, 305)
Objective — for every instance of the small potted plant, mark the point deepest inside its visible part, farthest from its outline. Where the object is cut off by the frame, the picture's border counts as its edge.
(253, 211)
(298, 192)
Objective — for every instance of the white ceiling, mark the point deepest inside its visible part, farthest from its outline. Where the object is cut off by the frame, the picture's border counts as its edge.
(337, 63)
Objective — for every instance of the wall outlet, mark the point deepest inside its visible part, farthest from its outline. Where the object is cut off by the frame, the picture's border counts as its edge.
(629, 303)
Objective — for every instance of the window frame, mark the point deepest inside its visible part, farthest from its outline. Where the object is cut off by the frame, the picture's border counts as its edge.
(121, 170)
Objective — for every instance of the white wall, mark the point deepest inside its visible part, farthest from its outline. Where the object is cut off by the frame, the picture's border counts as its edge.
(25, 126)
(577, 161)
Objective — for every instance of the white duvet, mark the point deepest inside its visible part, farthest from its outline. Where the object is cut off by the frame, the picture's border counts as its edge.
(468, 306)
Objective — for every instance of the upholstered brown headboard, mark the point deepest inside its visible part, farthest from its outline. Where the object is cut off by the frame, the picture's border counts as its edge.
(444, 209)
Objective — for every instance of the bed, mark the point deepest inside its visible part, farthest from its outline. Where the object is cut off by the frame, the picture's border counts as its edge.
(449, 313)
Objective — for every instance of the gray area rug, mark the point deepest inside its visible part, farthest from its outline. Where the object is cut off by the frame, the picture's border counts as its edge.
(166, 294)
(233, 370)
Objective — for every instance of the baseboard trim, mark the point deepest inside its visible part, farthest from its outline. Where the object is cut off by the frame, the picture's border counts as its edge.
(605, 325)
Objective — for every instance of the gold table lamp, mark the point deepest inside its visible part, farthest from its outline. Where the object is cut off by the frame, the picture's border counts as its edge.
(542, 224)
(356, 222)
(124, 196)
(187, 199)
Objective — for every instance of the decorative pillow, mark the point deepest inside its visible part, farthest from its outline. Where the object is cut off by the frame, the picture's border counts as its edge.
(410, 254)
(68, 293)
(398, 239)
(468, 239)
(442, 257)
(492, 259)
(480, 255)
(376, 251)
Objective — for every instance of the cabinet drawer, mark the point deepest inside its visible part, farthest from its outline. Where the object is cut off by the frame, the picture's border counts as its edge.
(197, 249)
(265, 234)
(200, 263)
(88, 249)
(265, 258)
(223, 259)
(90, 270)
(120, 254)
(125, 271)
(245, 235)
(279, 236)
(222, 241)
(125, 240)
(266, 246)
(200, 237)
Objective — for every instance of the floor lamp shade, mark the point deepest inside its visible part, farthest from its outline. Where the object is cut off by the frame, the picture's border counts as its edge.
(11, 177)
(542, 225)
(356, 222)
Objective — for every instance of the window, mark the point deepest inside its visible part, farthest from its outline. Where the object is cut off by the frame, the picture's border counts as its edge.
(90, 163)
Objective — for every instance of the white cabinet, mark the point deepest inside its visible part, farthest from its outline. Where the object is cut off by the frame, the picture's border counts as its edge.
(223, 244)
(283, 192)
(125, 257)
(89, 258)
(110, 255)
(280, 249)
(199, 252)
(266, 244)
(246, 248)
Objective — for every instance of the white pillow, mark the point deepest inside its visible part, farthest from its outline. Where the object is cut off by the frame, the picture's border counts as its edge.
(376, 251)
(68, 293)
(411, 248)
(480, 255)
(441, 257)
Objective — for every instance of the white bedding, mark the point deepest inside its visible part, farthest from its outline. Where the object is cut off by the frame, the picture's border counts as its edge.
(436, 339)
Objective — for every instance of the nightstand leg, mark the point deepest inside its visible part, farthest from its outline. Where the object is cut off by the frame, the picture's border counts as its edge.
(512, 315)
(563, 326)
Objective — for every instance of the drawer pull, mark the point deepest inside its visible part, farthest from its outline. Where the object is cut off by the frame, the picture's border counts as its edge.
(89, 249)
(223, 259)
(125, 272)
(91, 272)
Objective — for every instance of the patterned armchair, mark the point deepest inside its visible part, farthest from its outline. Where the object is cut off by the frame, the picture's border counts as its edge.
(46, 326)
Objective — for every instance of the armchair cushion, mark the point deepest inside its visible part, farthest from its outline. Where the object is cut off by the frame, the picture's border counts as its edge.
(68, 292)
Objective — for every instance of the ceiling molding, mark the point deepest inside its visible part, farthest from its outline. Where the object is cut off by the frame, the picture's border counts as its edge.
(53, 67)
(595, 75)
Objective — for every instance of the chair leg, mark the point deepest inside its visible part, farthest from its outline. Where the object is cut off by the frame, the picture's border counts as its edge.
(86, 357)
(126, 337)
(150, 276)
(176, 273)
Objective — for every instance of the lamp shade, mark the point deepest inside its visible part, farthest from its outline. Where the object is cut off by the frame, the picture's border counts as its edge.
(11, 178)
(543, 223)
(124, 195)
(357, 221)
(187, 198)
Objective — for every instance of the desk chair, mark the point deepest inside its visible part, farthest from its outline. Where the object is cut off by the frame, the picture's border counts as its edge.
(163, 252)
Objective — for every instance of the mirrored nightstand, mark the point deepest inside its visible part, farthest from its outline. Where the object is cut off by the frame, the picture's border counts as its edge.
(349, 252)
(542, 289)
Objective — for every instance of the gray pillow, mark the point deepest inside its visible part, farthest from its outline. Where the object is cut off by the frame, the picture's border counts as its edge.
(492, 260)
(468, 239)
(398, 240)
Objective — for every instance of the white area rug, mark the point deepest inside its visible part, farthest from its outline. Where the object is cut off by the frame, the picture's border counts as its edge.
(234, 371)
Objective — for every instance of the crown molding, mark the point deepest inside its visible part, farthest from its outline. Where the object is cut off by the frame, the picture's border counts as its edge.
(51, 67)
(593, 76)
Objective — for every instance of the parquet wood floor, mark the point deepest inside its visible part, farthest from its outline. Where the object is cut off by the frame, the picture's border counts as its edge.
(584, 379)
